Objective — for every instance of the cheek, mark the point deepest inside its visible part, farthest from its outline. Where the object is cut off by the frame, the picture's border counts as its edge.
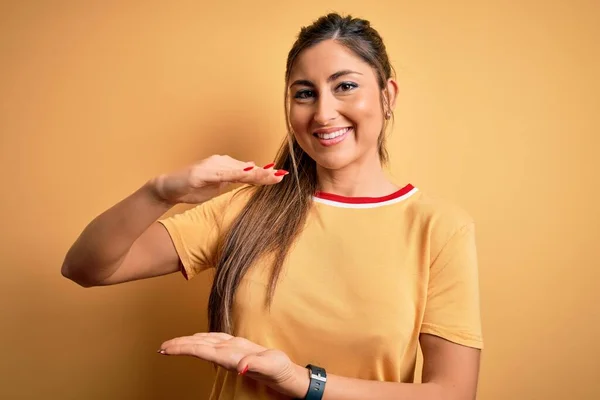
(300, 118)
(370, 104)
(366, 112)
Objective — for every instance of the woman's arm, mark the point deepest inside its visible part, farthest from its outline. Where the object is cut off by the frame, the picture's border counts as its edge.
(450, 372)
(123, 243)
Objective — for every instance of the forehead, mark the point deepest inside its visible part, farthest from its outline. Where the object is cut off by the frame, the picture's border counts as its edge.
(326, 58)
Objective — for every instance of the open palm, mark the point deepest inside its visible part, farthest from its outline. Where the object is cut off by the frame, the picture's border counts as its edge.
(273, 367)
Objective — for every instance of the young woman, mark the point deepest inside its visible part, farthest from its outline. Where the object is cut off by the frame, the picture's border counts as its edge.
(328, 275)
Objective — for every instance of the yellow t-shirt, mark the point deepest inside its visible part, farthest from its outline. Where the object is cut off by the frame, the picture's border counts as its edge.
(362, 281)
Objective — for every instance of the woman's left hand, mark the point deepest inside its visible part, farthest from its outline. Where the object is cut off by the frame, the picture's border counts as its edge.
(272, 367)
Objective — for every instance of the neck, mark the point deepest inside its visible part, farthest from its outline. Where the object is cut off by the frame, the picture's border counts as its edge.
(358, 179)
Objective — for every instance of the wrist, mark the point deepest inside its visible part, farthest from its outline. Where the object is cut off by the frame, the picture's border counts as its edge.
(152, 188)
(300, 383)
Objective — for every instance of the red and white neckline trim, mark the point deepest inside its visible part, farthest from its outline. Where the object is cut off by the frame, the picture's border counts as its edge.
(365, 202)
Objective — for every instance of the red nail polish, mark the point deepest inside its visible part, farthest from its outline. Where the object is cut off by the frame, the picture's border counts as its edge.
(281, 172)
(248, 168)
(269, 166)
(244, 370)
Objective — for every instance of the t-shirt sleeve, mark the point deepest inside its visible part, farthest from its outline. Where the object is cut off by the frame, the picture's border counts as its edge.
(195, 234)
(452, 309)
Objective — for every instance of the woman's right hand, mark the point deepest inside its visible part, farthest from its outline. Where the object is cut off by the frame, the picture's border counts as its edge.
(206, 179)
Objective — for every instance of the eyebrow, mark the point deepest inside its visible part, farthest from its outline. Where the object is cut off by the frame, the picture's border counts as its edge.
(333, 77)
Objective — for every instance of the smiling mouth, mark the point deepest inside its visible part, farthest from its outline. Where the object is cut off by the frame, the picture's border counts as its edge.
(331, 135)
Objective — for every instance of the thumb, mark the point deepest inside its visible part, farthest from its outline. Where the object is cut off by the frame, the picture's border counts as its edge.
(245, 363)
(253, 363)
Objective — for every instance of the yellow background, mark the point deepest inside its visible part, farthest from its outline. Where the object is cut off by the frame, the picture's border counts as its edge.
(497, 111)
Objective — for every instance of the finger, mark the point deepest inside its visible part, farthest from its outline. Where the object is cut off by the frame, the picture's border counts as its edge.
(219, 339)
(274, 177)
(172, 346)
(209, 339)
(220, 335)
(253, 363)
(251, 166)
(261, 176)
(256, 176)
(243, 366)
(232, 163)
(228, 174)
(198, 350)
(185, 340)
(222, 163)
(268, 167)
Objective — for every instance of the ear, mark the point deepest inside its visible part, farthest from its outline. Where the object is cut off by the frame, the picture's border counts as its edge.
(391, 93)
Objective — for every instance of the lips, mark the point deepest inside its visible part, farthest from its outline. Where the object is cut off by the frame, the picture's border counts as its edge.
(330, 133)
(332, 136)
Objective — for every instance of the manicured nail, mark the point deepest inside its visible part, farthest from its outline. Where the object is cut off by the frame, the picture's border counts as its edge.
(281, 172)
(161, 351)
(244, 370)
(269, 166)
(250, 168)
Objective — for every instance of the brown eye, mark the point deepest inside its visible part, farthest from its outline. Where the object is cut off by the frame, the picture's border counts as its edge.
(347, 86)
(304, 94)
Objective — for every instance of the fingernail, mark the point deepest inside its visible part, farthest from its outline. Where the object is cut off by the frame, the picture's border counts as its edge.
(161, 351)
(281, 172)
(269, 166)
(249, 168)
(244, 370)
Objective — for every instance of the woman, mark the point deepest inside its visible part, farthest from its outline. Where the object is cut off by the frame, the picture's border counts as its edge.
(328, 275)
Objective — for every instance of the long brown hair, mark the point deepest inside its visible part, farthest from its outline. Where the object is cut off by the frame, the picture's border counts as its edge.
(278, 212)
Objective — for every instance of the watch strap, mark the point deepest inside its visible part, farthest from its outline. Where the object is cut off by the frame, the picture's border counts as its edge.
(318, 378)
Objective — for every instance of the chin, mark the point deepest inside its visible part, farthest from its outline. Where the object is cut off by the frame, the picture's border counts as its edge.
(332, 161)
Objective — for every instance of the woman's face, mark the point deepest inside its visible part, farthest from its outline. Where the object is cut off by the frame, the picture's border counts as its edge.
(335, 106)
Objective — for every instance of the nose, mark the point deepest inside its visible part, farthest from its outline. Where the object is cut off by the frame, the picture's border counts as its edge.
(325, 109)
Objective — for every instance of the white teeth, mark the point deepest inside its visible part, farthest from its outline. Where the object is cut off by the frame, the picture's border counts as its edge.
(332, 135)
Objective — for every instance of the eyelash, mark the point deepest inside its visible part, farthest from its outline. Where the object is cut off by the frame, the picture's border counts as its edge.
(300, 94)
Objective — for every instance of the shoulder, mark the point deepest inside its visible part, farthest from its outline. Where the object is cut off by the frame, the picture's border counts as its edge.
(437, 219)
(437, 210)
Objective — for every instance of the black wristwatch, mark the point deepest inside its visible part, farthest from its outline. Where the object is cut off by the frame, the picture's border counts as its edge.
(318, 378)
